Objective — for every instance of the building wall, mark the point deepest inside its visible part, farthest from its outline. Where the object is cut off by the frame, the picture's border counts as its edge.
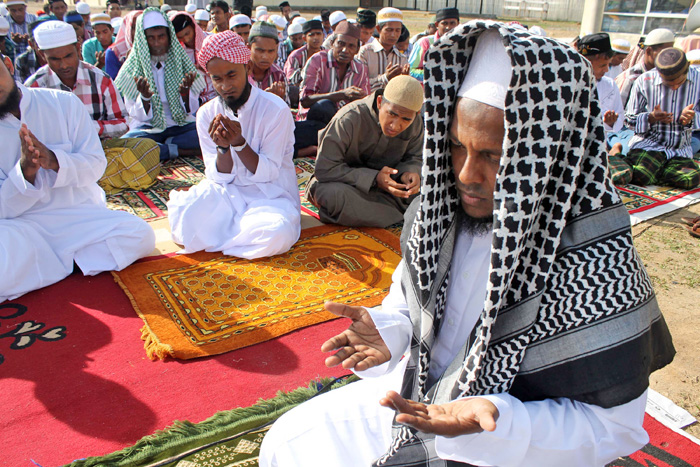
(558, 10)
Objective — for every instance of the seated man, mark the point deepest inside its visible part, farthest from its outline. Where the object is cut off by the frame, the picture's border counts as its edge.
(94, 49)
(131, 162)
(369, 158)
(621, 49)
(19, 20)
(191, 38)
(313, 36)
(663, 111)
(446, 19)
(240, 24)
(161, 88)
(52, 213)
(367, 22)
(83, 9)
(248, 206)
(335, 74)
(263, 73)
(384, 61)
(335, 19)
(30, 60)
(521, 344)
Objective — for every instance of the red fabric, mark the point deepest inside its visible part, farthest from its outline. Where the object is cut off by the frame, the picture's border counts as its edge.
(125, 39)
(226, 45)
(94, 391)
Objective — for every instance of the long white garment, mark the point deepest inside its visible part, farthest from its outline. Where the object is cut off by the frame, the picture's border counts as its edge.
(614, 72)
(62, 217)
(243, 214)
(348, 427)
(609, 98)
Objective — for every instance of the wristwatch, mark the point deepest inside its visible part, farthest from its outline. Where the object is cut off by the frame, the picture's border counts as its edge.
(222, 149)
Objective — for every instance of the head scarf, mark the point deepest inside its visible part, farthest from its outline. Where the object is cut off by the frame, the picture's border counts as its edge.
(199, 35)
(569, 310)
(226, 45)
(177, 64)
(124, 41)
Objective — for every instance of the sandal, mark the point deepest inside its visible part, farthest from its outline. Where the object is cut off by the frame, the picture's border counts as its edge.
(690, 221)
(694, 230)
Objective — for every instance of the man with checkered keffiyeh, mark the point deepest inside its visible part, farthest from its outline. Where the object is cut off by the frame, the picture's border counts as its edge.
(521, 327)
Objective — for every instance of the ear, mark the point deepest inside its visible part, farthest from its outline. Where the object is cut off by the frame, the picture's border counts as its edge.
(8, 63)
(379, 101)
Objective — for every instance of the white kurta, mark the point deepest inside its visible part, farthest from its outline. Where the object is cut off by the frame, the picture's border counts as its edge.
(243, 214)
(62, 218)
(348, 427)
(609, 98)
(614, 72)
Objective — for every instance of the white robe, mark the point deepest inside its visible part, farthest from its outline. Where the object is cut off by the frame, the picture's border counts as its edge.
(348, 427)
(609, 98)
(63, 217)
(243, 214)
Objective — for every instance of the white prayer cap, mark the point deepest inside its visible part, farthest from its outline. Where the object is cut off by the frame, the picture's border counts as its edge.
(260, 11)
(83, 8)
(239, 20)
(153, 19)
(5, 26)
(165, 8)
(53, 34)
(336, 17)
(659, 36)
(100, 18)
(3, 9)
(489, 73)
(693, 56)
(278, 21)
(190, 8)
(352, 21)
(299, 20)
(621, 46)
(295, 29)
(117, 23)
(201, 15)
(538, 31)
(388, 14)
(14, 2)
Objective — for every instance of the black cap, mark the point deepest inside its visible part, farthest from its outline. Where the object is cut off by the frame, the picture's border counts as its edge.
(593, 44)
(113, 1)
(311, 25)
(445, 13)
(284, 4)
(325, 14)
(367, 18)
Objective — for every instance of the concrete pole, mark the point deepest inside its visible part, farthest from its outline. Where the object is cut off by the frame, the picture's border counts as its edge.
(592, 19)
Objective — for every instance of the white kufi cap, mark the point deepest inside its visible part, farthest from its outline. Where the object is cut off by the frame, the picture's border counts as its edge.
(190, 8)
(336, 17)
(489, 72)
(83, 8)
(295, 28)
(153, 19)
(201, 15)
(239, 20)
(54, 34)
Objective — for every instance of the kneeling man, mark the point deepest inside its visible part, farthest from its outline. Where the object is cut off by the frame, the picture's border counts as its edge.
(369, 158)
(248, 206)
(52, 213)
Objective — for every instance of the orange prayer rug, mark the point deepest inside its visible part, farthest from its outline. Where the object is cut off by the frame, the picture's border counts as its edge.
(205, 304)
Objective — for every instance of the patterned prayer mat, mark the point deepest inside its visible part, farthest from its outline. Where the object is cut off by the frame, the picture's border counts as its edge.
(305, 169)
(644, 203)
(206, 303)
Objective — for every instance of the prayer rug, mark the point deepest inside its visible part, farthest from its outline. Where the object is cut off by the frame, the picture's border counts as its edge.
(207, 303)
(644, 203)
(305, 167)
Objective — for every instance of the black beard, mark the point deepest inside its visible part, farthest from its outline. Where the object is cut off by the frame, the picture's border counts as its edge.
(474, 226)
(235, 104)
(11, 104)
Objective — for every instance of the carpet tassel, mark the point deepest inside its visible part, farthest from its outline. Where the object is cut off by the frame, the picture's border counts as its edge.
(155, 349)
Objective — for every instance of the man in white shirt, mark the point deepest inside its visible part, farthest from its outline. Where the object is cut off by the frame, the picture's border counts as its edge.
(52, 213)
(161, 88)
(248, 206)
(508, 306)
(621, 49)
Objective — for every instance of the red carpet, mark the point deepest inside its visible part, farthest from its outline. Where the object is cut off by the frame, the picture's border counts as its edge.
(75, 381)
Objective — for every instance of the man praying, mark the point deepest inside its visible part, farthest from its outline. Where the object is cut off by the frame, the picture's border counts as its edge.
(313, 37)
(446, 19)
(19, 21)
(384, 61)
(263, 72)
(369, 158)
(53, 215)
(94, 49)
(161, 87)
(240, 24)
(248, 206)
(191, 38)
(521, 327)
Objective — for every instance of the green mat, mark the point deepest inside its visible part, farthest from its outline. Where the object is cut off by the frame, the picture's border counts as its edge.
(229, 438)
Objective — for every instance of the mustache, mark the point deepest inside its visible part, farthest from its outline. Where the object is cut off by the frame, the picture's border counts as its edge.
(471, 189)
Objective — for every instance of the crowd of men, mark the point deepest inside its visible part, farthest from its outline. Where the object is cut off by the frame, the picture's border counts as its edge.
(248, 91)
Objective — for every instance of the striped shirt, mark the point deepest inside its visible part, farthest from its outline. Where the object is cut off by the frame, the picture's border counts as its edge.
(272, 75)
(377, 59)
(97, 92)
(320, 76)
(648, 91)
(295, 65)
(22, 29)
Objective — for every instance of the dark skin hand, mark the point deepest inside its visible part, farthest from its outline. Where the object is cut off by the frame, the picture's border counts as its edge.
(659, 116)
(226, 133)
(34, 155)
(100, 58)
(456, 418)
(409, 186)
(145, 90)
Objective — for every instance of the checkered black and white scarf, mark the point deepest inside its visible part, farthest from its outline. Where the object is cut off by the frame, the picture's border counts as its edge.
(569, 309)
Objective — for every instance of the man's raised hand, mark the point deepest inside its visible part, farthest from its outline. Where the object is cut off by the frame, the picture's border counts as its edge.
(142, 87)
(461, 417)
(34, 155)
(360, 346)
(187, 82)
(687, 115)
(659, 116)
(610, 117)
(393, 71)
(278, 88)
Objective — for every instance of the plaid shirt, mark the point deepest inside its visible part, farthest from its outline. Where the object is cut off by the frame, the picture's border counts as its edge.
(377, 59)
(320, 76)
(16, 28)
(25, 65)
(96, 90)
(648, 91)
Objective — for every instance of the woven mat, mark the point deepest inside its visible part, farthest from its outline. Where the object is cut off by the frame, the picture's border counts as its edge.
(644, 203)
(206, 303)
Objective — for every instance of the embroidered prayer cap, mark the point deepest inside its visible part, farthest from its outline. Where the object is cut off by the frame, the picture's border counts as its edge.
(311, 25)
(226, 45)
(348, 29)
(366, 18)
(263, 29)
(593, 44)
(239, 20)
(83, 8)
(260, 12)
(621, 46)
(73, 17)
(190, 8)
(693, 56)
(659, 36)
(100, 18)
(201, 15)
(279, 21)
(4, 27)
(672, 63)
(446, 13)
(405, 91)
(295, 29)
(336, 17)
(53, 34)
(388, 14)
(489, 72)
